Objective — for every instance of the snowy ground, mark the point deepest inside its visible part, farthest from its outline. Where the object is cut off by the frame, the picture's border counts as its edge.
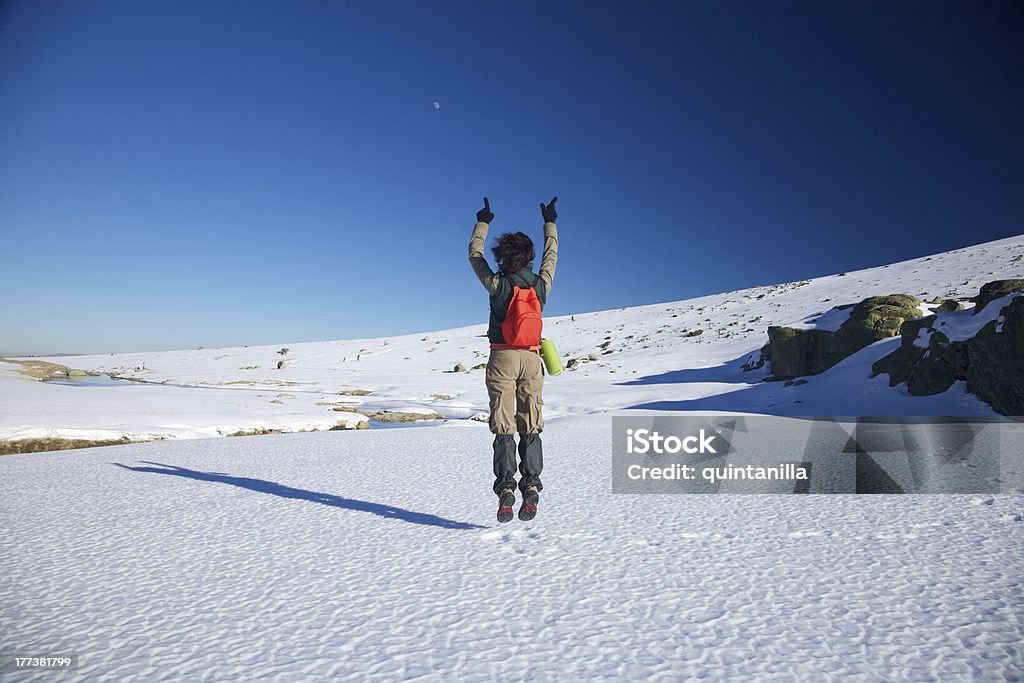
(375, 554)
(644, 359)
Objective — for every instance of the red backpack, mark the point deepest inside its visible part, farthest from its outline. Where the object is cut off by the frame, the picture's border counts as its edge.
(522, 324)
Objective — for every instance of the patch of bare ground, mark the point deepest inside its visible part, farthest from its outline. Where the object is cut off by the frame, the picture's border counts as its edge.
(53, 443)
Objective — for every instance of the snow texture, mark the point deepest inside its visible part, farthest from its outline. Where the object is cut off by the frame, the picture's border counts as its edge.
(374, 554)
(830, 321)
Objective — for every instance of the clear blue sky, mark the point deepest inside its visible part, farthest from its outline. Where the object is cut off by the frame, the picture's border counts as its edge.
(184, 173)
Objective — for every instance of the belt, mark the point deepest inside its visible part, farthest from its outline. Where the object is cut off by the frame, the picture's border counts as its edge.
(512, 347)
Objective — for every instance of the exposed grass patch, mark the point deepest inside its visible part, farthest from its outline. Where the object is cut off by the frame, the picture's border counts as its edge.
(44, 444)
(259, 431)
(398, 416)
(340, 406)
(354, 392)
(383, 415)
(40, 369)
(53, 443)
(343, 425)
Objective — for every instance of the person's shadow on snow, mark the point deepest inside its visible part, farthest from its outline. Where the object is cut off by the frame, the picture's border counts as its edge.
(270, 487)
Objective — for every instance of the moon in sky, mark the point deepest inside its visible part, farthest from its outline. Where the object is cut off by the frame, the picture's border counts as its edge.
(437, 105)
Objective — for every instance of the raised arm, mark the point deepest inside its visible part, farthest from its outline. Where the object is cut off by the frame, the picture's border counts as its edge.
(550, 257)
(477, 260)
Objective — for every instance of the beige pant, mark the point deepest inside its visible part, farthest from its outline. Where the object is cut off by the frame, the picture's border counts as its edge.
(514, 382)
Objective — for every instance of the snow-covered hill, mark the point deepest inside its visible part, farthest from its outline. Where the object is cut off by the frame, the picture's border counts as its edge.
(374, 554)
(680, 356)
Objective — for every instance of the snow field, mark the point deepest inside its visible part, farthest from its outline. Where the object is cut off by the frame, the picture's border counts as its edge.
(374, 554)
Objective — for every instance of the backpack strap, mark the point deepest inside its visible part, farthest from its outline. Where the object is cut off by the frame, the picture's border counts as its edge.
(523, 280)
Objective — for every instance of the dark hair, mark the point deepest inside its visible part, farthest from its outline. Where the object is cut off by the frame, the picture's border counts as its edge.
(513, 251)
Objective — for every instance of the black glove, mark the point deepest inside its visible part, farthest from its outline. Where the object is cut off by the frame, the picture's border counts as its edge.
(484, 215)
(549, 213)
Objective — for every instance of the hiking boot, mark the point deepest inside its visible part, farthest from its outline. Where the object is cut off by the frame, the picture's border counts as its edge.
(506, 499)
(528, 510)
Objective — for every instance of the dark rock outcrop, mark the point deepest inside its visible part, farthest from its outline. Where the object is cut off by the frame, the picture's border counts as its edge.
(991, 362)
(995, 372)
(996, 289)
(757, 360)
(795, 352)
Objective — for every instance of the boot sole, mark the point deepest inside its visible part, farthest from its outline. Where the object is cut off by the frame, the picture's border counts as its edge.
(528, 510)
(505, 504)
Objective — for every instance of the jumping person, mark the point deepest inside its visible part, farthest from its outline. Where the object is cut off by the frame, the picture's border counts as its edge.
(515, 375)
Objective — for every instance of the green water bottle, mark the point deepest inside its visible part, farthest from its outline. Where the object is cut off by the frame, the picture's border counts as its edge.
(549, 354)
